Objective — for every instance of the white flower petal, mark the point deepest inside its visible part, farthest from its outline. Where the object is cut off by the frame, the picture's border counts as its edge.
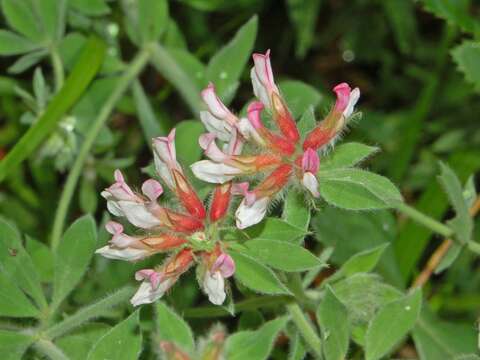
(352, 101)
(213, 172)
(137, 214)
(220, 128)
(114, 208)
(146, 294)
(311, 183)
(249, 132)
(259, 89)
(250, 215)
(128, 254)
(214, 287)
(163, 171)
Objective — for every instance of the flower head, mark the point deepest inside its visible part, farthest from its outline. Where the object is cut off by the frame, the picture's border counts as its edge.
(188, 234)
(279, 155)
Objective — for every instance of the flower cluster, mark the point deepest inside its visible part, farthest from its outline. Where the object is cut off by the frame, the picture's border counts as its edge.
(279, 154)
(189, 235)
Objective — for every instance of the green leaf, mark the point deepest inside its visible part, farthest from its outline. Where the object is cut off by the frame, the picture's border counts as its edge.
(42, 258)
(307, 122)
(153, 19)
(299, 96)
(467, 357)
(52, 14)
(332, 316)
(20, 17)
(72, 256)
(462, 224)
(226, 66)
(14, 344)
(364, 261)
(13, 301)
(193, 67)
(167, 65)
(303, 14)
(122, 342)
(466, 56)
(347, 155)
(88, 196)
(17, 266)
(171, 327)
(174, 38)
(437, 339)
(186, 141)
(275, 229)
(282, 255)
(90, 7)
(77, 345)
(85, 69)
(27, 61)
(254, 344)
(391, 324)
(449, 258)
(455, 12)
(296, 349)
(363, 294)
(334, 228)
(356, 189)
(256, 276)
(13, 44)
(296, 211)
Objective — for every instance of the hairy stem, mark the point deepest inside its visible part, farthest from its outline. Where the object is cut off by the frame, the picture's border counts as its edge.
(46, 347)
(89, 312)
(424, 220)
(129, 75)
(440, 252)
(305, 328)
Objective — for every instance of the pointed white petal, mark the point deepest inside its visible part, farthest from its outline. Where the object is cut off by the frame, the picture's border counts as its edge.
(137, 214)
(352, 101)
(213, 172)
(259, 89)
(128, 254)
(250, 215)
(219, 127)
(214, 287)
(311, 183)
(146, 294)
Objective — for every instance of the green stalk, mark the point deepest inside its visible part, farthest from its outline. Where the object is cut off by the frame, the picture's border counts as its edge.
(46, 347)
(58, 72)
(170, 70)
(89, 312)
(250, 304)
(425, 220)
(306, 329)
(82, 74)
(129, 75)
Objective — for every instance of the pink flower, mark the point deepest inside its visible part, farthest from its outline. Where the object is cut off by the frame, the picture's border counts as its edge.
(310, 166)
(182, 232)
(215, 274)
(333, 124)
(277, 155)
(156, 283)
